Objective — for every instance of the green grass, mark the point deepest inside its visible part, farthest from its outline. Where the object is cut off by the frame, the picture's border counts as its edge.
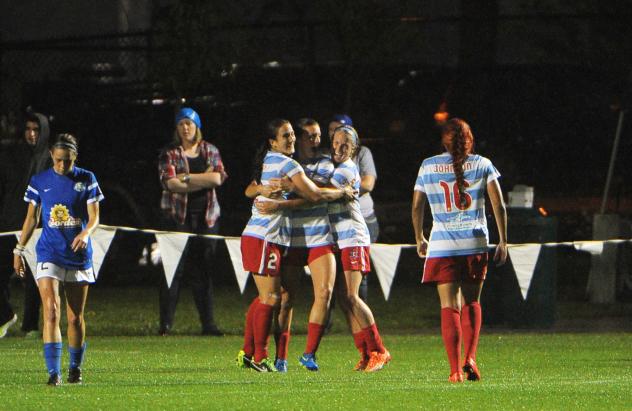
(128, 367)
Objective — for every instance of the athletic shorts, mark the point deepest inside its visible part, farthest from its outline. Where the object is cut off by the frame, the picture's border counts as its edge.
(471, 267)
(302, 256)
(356, 259)
(64, 275)
(261, 257)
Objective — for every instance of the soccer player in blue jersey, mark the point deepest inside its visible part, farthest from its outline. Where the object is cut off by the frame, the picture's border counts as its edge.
(67, 199)
(454, 183)
(353, 240)
(267, 235)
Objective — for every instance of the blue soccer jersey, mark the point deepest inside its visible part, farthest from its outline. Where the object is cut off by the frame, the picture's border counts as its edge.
(274, 228)
(64, 203)
(348, 225)
(459, 225)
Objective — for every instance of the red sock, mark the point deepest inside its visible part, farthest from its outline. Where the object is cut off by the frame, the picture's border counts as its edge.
(314, 334)
(451, 332)
(282, 341)
(373, 339)
(471, 321)
(262, 322)
(360, 343)
(249, 335)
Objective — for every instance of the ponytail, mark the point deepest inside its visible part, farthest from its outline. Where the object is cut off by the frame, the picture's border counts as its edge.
(459, 141)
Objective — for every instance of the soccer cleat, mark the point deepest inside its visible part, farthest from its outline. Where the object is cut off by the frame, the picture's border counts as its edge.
(74, 376)
(308, 361)
(471, 370)
(5, 326)
(264, 365)
(242, 360)
(361, 365)
(54, 380)
(456, 377)
(280, 365)
(377, 361)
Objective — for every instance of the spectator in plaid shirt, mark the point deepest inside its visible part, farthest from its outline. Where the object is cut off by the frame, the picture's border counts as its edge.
(190, 169)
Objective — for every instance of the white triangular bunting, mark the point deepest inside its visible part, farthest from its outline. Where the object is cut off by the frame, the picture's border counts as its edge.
(234, 249)
(524, 258)
(385, 258)
(171, 247)
(29, 253)
(101, 240)
(593, 247)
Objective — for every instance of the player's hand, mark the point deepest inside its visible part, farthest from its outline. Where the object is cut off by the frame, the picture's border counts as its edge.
(80, 243)
(18, 265)
(285, 183)
(267, 207)
(272, 190)
(350, 193)
(422, 248)
(500, 256)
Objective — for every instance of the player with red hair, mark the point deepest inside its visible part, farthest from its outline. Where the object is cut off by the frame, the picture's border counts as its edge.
(454, 184)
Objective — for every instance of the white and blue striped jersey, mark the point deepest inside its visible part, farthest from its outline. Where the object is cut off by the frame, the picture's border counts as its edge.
(64, 203)
(310, 223)
(274, 228)
(458, 228)
(348, 225)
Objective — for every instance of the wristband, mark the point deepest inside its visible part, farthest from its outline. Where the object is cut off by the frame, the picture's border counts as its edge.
(186, 178)
(18, 251)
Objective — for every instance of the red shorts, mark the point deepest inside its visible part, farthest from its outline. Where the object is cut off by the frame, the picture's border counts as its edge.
(471, 267)
(356, 259)
(260, 257)
(301, 256)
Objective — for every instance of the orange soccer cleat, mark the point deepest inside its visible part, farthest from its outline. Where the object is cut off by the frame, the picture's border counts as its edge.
(361, 365)
(471, 370)
(377, 361)
(456, 377)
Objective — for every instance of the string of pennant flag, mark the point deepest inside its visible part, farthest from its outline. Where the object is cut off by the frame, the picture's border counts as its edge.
(384, 257)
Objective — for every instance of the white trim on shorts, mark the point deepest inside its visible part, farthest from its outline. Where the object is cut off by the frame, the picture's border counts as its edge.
(50, 270)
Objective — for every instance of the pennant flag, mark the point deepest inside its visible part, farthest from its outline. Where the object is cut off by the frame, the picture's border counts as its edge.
(385, 258)
(593, 247)
(29, 253)
(234, 249)
(524, 258)
(101, 239)
(171, 247)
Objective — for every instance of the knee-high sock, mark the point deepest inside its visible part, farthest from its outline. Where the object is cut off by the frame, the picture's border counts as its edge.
(373, 339)
(451, 332)
(52, 357)
(262, 323)
(471, 321)
(76, 355)
(282, 341)
(249, 327)
(314, 334)
(360, 342)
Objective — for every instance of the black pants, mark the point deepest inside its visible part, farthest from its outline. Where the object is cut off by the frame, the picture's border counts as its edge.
(195, 264)
(32, 303)
(6, 311)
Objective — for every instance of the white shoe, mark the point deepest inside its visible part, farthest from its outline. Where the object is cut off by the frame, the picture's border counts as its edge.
(5, 327)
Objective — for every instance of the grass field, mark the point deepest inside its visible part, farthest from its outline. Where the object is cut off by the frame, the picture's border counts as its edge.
(521, 370)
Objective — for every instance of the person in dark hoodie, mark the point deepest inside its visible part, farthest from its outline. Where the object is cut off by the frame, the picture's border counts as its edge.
(28, 157)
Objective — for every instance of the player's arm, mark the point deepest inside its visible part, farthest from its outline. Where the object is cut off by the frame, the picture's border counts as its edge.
(269, 207)
(367, 183)
(30, 222)
(418, 210)
(500, 214)
(304, 187)
(272, 190)
(81, 240)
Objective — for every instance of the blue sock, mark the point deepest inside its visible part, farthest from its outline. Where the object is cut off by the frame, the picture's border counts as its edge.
(76, 356)
(52, 357)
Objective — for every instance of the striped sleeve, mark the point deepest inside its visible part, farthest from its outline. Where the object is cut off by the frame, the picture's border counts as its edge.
(419, 183)
(32, 194)
(490, 171)
(342, 176)
(94, 191)
(291, 168)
